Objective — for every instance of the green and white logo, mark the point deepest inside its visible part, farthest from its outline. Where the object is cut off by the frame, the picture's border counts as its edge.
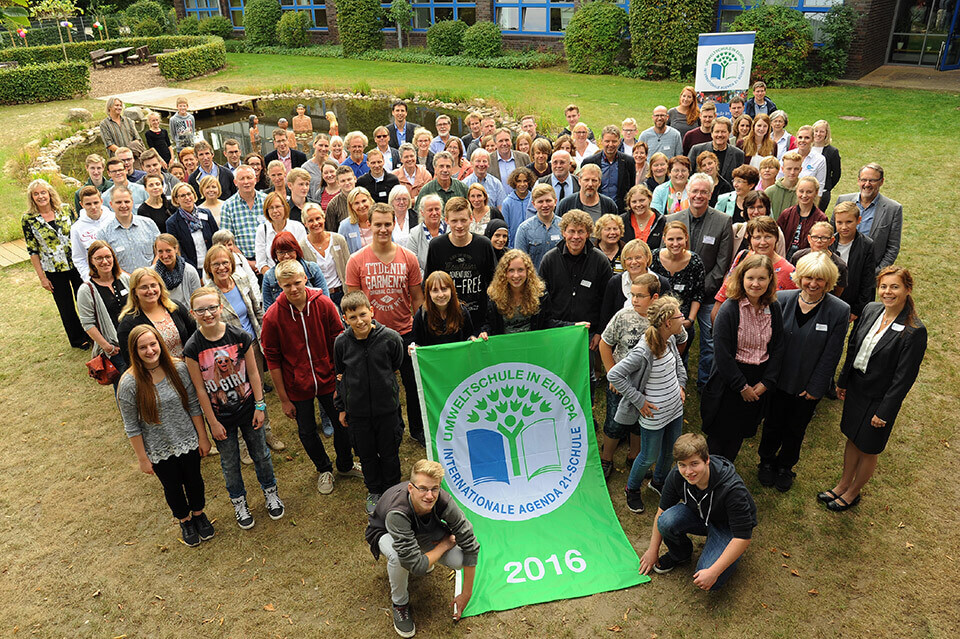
(513, 441)
(724, 68)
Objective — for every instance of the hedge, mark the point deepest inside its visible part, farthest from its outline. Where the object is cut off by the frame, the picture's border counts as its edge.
(664, 36)
(483, 40)
(260, 18)
(446, 37)
(359, 23)
(594, 38)
(413, 55)
(44, 82)
(193, 61)
(216, 26)
(783, 43)
(80, 51)
(189, 26)
(292, 29)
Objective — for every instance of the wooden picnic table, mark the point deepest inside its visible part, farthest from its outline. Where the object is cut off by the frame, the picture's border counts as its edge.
(119, 54)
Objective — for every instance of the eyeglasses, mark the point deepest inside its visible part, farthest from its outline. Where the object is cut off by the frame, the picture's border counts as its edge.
(423, 490)
(219, 264)
(869, 180)
(103, 259)
(207, 310)
(285, 255)
(820, 238)
(381, 135)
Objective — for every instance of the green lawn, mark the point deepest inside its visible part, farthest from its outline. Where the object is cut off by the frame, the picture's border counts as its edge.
(89, 549)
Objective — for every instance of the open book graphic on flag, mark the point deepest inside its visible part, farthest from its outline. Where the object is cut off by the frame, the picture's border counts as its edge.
(533, 449)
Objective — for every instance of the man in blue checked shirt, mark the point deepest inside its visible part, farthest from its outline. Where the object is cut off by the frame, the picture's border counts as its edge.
(539, 234)
(242, 213)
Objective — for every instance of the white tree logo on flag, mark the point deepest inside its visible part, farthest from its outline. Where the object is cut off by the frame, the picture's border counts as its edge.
(724, 68)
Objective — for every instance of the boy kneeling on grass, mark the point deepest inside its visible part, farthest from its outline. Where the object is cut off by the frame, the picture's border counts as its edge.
(703, 495)
(366, 357)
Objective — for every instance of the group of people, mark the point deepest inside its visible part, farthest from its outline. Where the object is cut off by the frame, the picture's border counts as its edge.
(330, 273)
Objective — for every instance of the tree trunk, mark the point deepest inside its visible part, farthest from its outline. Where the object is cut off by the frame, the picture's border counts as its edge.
(62, 45)
(399, 37)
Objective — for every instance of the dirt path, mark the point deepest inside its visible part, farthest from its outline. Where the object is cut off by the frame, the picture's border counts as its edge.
(110, 81)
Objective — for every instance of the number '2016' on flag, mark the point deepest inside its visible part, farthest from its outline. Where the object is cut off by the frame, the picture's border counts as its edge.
(510, 420)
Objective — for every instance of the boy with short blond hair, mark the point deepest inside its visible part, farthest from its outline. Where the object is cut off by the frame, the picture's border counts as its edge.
(183, 126)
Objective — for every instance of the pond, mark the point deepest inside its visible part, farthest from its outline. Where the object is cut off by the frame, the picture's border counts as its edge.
(352, 115)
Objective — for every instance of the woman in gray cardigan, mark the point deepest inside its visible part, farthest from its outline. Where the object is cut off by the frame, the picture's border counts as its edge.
(814, 325)
(100, 300)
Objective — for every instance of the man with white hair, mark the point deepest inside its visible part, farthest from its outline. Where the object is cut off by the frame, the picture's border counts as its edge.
(355, 142)
(561, 179)
(480, 161)
(439, 143)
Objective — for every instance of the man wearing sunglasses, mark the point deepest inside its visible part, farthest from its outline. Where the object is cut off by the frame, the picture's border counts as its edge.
(416, 525)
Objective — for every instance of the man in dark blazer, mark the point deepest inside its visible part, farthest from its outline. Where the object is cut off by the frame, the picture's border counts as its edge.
(618, 169)
(711, 237)
(400, 124)
(282, 151)
(730, 156)
(564, 182)
(880, 217)
(208, 167)
(857, 250)
(505, 160)
(377, 181)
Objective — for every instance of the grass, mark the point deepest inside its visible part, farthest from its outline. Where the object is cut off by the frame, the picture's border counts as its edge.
(89, 549)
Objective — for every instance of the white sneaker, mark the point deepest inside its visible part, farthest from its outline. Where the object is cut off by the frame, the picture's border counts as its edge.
(274, 505)
(325, 483)
(244, 518)
(355, 471)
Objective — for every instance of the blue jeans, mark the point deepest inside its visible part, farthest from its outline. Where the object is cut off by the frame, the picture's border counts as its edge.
(655, 446)
(706, 342)
(611, 427)
(674, 524)
(257, 447)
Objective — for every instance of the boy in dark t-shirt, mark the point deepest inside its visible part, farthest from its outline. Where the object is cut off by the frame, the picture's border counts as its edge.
(224, 372)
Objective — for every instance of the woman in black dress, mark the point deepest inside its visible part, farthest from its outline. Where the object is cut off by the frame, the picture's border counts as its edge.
(748, 349)
(685, 273)
(886, 348)
(442, 319)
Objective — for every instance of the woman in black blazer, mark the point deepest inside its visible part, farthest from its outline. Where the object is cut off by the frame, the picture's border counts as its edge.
(814, 325)
(886, 348)
(748, 348)
(189, 219)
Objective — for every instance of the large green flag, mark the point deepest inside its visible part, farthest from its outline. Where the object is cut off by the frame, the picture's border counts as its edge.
(510, 420)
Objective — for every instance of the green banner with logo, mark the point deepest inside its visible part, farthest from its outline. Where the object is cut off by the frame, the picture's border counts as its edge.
(510, 420)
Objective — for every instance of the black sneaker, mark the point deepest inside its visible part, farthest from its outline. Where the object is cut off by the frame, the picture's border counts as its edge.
(204, 527)
(607, 468)
(240, 509)
(634, 500)
(273, 503)
(188, 532)
(403, 620)
(784, 480)
(666, 563)
(655, 487)
(766, 474)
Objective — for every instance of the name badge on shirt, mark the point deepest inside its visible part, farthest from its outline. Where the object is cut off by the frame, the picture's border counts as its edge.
(766, 310)
(124, 292)
(383, 194)
(353, 235)
(203, 216)
(119, 249)
(555, 238)
(822, 327)
(896, 327)
(336, 247)
(709, 239)
(679, 287)
(588, 284)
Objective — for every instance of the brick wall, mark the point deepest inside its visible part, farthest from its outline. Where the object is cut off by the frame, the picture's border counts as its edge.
(868, 50)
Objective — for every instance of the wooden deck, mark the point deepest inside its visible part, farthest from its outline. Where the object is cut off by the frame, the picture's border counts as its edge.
(13, 253)
(164, 99)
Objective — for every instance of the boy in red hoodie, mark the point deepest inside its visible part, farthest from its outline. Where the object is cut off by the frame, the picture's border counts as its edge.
(298, 333)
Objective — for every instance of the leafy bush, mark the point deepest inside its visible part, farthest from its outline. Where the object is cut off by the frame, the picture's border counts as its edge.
(44, 82)
(594, 38)
(235, 46)
(359, 22)
(446, 37)
(80, 51)
(147, 28)
(292, 29)
(216, 26)
(143, 9)
(193, 61)
(783, 43)
(838, 28)
(412, 55)
(483, 40)
(189, 26)
(664, 35)
(260, 18)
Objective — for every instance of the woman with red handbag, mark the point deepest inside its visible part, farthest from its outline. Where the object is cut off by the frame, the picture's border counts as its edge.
(99, 302)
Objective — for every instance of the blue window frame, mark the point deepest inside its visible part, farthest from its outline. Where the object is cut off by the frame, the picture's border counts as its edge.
(533, 17)
(815, 11)
(317, 11)
(236, 13)
(427, 13)
(202, 8)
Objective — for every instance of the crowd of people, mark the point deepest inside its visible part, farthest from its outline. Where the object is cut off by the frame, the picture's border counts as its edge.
(316, 277)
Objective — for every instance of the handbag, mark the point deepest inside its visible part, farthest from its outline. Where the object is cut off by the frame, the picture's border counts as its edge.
(100, 367)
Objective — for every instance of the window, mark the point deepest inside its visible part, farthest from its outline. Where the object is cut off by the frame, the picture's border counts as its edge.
(316, 10)
(236, 13)
(202, 8)
(427, 13)
(538, 17)
(813, 10)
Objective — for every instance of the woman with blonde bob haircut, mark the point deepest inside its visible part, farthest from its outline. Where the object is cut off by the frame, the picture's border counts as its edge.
(748, 343)
(356, 228)
(517, 298)
(149, 303)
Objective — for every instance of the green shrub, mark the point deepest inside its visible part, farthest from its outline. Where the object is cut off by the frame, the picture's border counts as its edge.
(40, 36)
(235, 46)
(483, 40)
(216, 26)
(80, 51)
(783, 43)
(189, 26)
(838, 29)
(594, 37)
(143, 9)
(359, 22)
(446, 37)
(147, 28)
(413, 55)
(44, 82)
(170, 26)
(292, 30)
(260, 19)
(193, 61)
(664, 35)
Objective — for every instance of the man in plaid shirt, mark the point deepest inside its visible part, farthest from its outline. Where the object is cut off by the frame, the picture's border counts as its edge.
(243, 211)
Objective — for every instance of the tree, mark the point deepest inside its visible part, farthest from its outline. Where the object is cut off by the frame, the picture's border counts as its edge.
(57, 9)
(14, 14)
(401, 13)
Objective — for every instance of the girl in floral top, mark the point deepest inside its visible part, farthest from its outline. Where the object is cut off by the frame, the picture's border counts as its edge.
(46, 231)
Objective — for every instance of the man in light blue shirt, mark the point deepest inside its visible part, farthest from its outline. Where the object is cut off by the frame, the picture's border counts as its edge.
(118, 173)
(540, 233)
(661, 137)
(480, 161)
(439, 143)
(131, 236)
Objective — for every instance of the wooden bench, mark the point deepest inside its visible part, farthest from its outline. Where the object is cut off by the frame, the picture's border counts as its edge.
(140, 56)
(10, 64)
(100, 57)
